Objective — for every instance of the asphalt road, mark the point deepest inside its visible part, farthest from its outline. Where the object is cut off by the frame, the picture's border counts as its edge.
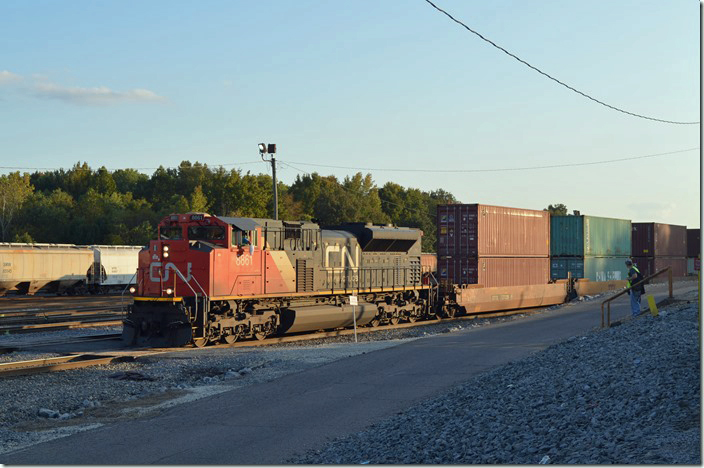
(268, 423)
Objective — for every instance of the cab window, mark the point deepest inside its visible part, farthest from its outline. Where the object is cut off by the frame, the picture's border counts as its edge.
(206, 233)
(241, 238)
(170, 232)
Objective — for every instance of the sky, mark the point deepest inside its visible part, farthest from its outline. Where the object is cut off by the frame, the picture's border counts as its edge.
(392, 88)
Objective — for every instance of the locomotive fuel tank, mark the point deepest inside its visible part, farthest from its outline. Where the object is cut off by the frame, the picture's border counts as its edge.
(323, 317)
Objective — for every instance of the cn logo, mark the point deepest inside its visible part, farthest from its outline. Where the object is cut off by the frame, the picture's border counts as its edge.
(154, 268)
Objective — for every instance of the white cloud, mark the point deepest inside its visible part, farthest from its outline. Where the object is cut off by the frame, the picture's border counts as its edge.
(8, 77)
(101, 95)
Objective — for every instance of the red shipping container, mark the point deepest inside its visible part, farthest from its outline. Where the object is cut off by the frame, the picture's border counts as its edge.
(650, 265)
(693, 243)
(658, 240)
(492, 231)
(494, 271)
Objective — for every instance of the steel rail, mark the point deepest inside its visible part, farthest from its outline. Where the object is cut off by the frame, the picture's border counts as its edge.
(77, 361)
(643, 281)
(11, 329)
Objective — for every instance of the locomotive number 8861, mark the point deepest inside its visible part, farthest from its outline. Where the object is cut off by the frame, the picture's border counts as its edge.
(210, 278)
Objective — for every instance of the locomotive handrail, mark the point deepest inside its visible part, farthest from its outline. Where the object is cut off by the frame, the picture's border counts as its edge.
(608, 301)
(122, 296)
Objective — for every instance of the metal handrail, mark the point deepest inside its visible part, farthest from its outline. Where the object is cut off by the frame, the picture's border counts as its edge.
(122, 308)
(608, 301)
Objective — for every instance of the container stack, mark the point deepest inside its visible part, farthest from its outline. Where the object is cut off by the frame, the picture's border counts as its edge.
(589, 247)
(693, 251)
(493, 245)
(656, 246)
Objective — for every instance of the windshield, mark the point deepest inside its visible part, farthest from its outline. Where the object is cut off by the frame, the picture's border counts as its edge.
(170, 232)
(206, 233)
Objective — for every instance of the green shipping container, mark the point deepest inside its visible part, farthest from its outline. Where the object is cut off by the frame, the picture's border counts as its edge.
(591, 268)
(590, 236)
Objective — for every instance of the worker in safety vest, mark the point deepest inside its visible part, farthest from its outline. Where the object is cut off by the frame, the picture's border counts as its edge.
(634, 277)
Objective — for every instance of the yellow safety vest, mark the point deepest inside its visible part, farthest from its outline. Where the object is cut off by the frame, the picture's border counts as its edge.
(629, 278)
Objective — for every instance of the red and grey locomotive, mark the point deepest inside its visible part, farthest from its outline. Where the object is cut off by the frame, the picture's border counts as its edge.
(212, 278)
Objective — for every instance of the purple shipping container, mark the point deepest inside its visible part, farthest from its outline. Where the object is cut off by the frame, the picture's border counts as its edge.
(494, 271)
(693, 243)
(650, 265)
(658, 240)
(492, 231)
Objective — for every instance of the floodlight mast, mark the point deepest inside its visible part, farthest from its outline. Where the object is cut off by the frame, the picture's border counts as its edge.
(270, 149)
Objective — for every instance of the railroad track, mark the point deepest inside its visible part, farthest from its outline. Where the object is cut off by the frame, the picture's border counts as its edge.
(36, 315)
(76, 361)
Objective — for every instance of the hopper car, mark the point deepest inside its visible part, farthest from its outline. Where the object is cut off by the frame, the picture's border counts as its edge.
(66, 268)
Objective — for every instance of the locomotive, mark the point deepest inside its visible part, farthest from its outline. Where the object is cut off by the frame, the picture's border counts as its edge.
(209, 279)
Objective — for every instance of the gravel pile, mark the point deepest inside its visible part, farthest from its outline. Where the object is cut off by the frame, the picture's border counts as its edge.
(629, 394)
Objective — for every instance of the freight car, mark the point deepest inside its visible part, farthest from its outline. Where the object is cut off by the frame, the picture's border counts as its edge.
(208, 279)
(66, 268)
(27, 268)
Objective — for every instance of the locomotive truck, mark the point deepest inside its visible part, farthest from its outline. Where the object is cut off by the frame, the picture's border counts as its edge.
(209, 279)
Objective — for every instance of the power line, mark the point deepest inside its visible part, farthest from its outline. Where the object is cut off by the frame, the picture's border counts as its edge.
(123, 168)
(551, 77)
(505, 169)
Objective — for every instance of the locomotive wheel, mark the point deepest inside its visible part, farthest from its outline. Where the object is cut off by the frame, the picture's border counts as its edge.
(260, 335)
(450, 312)
(411, 318)
(200, 342)
(375, 322)
(394, 320)
(229, 339)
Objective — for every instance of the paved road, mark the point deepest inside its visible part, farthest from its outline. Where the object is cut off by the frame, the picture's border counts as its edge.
(270, 422)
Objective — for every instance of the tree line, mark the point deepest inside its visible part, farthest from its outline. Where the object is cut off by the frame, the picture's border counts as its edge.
(123, 207)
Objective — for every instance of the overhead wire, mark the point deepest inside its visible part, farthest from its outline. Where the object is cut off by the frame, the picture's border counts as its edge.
(552, 77)
(504, 169)
(122, 168)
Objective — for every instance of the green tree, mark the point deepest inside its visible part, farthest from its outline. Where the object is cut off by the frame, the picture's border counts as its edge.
(557, 209)
(198, 201)
(14, 191)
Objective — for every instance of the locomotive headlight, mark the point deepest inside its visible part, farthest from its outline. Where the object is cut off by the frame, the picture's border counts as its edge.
(166, 248)
(132, 289)
(166, 254)
(169, 290)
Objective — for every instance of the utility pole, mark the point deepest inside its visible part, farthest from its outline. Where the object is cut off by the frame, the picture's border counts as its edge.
(270, 149)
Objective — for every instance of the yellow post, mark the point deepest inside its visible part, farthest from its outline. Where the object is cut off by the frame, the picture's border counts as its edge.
(652, 305)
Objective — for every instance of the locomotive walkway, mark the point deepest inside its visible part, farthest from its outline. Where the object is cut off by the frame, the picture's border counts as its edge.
(267, 423)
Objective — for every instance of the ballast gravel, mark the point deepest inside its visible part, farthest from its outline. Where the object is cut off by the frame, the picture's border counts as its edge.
(628, 394)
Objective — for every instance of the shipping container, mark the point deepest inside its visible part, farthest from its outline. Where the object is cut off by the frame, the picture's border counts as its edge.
(428, 262)
(693, 243)
(494, 271)
(591, 236)
(691, 269)
(650, 265)
(492, 231)
(591, 268)
(658, 240)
